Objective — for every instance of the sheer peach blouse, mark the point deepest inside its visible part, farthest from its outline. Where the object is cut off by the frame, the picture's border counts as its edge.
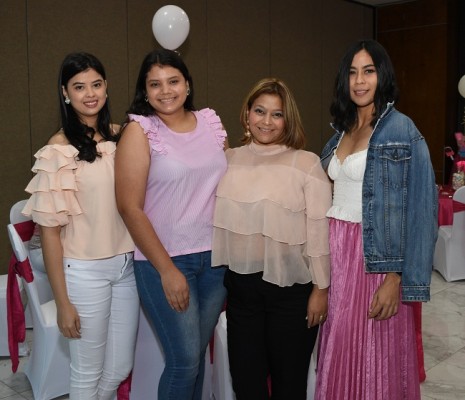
(270, 215)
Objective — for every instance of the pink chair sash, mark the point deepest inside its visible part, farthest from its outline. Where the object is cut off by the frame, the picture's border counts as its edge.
(124, 388)
(15, 309)
(457, 206)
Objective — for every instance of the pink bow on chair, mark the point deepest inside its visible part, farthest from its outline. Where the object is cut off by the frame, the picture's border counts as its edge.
(457, 206)
(15, 309)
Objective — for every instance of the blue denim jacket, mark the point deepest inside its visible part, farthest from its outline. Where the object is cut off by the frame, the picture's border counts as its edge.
(399, 203)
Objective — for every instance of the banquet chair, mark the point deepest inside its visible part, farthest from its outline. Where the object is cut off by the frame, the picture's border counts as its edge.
(44, 289)
(48, 367)
(23, 349)
(17, 217)
(449, 254)
(221, 379)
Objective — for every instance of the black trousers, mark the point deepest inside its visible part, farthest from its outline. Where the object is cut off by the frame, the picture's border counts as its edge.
(268, 336)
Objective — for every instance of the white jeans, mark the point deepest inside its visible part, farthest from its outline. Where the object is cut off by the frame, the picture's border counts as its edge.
(105, 295)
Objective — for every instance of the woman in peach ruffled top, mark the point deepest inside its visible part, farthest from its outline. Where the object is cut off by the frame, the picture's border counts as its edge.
(271, 230)
(88, 252)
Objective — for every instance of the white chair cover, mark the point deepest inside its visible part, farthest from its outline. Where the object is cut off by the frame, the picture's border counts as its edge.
(449, 254)
(44, 289)
(23, 349)
(48, 367)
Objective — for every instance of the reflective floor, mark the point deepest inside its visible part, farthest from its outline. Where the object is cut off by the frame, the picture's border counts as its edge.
(443, 342)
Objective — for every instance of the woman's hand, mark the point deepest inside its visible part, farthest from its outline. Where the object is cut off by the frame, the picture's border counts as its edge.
(176, 289)
(317, 308)
(68, 321)
(386, 299)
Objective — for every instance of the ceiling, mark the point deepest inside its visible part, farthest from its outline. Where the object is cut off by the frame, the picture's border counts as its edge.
(376, 3)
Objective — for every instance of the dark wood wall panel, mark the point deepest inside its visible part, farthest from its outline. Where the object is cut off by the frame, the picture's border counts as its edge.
(421, 38)
(57, 28)
(231, 44)
(308, 61)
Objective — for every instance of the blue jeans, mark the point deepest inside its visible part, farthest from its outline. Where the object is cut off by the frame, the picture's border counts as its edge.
(184, 336)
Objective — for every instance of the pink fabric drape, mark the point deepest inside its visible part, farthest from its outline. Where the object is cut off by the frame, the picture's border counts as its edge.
(15, 309)
(457, 206)
(417, 306)
(124, 388)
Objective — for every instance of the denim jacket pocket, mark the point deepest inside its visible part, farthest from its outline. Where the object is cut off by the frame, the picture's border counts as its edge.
(395, 159)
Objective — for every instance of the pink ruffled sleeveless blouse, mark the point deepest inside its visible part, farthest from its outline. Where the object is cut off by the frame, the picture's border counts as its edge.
(185, 169)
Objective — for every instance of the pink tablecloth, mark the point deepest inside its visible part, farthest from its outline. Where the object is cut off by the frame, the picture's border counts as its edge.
(446, 207)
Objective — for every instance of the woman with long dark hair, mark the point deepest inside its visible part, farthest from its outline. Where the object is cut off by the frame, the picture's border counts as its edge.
(88, 252)
(383, 228)
(168, 164)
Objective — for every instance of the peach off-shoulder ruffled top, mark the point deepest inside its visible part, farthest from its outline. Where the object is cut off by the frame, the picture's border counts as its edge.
(270, 215)
(80, 197)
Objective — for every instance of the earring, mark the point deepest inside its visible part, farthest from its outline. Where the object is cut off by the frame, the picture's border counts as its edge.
(67, 100)
(247, 132)
(146, 99)
(188, 91)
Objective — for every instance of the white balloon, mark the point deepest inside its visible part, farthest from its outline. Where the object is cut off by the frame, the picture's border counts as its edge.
(170, 26)
(462, 86)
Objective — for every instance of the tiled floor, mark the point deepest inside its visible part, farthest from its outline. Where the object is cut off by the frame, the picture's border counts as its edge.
(443, 341)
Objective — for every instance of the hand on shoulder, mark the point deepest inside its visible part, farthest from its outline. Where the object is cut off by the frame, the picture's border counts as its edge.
(115, 129)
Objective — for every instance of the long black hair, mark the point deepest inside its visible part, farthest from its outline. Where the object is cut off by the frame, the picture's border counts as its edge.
(343, 110)
(159, 57)
(74, 129)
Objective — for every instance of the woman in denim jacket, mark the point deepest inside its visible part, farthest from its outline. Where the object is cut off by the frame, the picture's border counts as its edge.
(383, 228)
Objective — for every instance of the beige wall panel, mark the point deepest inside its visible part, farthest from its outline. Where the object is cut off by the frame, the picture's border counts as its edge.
(238, 55)
(15, 153)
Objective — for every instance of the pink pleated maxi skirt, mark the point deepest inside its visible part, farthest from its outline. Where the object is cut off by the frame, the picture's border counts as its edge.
(361, 358)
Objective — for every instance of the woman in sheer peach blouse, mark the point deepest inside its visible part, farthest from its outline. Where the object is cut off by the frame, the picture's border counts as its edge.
(271, 230)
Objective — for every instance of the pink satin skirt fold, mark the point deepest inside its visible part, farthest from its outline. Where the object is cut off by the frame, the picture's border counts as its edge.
(361, 358)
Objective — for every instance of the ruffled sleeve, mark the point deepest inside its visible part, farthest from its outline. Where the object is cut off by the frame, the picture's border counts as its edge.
(150, 126)
(53, 187)
(215, 122)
